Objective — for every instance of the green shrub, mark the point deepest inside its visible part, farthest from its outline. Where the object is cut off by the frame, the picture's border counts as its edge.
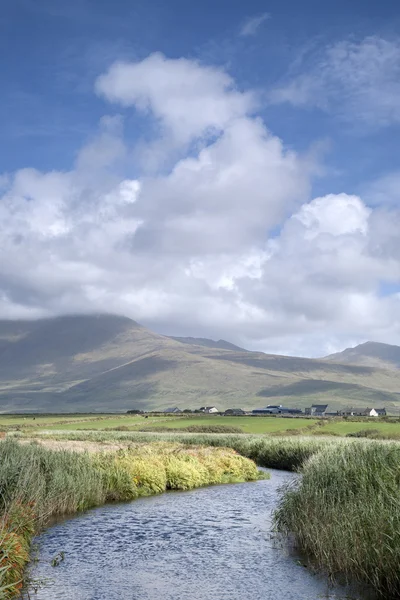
(185, 474)
(365, 433)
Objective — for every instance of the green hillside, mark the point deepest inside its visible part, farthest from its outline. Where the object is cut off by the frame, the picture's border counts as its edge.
(371, 354)
(111, 363)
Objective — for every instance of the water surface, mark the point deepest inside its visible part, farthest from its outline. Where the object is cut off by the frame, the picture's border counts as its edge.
(208, 544)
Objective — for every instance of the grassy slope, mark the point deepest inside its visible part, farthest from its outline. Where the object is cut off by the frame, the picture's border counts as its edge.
(104, 363)
(373, 354)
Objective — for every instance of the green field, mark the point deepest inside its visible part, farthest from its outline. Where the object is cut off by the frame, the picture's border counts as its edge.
(345, 427)
(130, 421)
(247, 424)
(256, 425)
(35, 419)
(135, 423)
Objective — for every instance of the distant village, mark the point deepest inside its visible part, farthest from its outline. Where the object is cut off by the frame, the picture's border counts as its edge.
(315, 410)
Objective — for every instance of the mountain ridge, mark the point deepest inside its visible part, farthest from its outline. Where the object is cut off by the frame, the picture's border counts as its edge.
(373, 354)
(78, 363)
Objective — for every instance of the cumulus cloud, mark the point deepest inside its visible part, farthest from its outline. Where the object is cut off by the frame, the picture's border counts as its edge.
(226, 243)
(189, 100)
(357, 80)
(252, 24)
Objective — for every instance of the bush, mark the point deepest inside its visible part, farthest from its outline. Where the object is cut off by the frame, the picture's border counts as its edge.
(365, 433)
(185, 474)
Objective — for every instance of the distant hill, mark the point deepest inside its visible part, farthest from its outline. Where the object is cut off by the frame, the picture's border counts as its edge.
(371, 354)
(111, 363)
(222, 344)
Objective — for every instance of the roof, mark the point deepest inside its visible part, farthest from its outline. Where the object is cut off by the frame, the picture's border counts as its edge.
(319, 406)
(381, 411)
(207, 407)
(173, 409)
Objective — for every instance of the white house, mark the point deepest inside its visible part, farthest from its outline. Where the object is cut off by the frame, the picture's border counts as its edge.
(362, 412)
(209, 410)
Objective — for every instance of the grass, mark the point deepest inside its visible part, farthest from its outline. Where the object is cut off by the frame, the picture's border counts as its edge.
(387, 429)
(251, 425)
(37, 483)
(287, 453)
(345, 513)
(345, 510)
(29, 420)
(105, 423)
(246, 424)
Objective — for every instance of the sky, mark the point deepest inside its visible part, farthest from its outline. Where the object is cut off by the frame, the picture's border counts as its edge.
(223, 169)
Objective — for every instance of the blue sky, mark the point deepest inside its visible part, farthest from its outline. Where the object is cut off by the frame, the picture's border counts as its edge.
(324, 81)
(52, 51)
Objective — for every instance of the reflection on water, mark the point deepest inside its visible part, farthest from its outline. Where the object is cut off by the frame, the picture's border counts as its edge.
(209, 544)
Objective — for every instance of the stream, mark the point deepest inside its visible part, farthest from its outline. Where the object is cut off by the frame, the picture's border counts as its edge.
(212, 543)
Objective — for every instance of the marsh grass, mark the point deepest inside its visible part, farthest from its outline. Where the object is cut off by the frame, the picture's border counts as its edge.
(37, 483)
(345, 513)
(287, 453)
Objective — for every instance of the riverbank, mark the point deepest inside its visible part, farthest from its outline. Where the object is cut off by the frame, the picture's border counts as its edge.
(345, 513)
(345, 510)
(211, 542)
(286, 453)
(37, 483)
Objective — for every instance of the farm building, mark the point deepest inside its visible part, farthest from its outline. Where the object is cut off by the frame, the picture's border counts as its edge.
(274, 409)
(317, 410)
(362, 412)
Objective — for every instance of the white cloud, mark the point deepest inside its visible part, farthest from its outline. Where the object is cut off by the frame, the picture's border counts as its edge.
(190, 100)
(191, 251)
(357, 80)
(252, 24)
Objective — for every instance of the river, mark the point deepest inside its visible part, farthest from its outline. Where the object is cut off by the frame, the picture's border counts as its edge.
(208, 544)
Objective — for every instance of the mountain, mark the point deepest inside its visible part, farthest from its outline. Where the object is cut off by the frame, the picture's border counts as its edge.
(111, 363)
(222, 344)
(371, 354)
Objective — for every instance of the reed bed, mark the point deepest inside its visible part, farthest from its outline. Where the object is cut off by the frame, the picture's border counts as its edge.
(37, 483)
(345, 513)
(287, 453)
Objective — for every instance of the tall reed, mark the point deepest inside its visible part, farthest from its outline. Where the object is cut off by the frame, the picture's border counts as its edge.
(288, 453)
(345, 512)
(37, 483)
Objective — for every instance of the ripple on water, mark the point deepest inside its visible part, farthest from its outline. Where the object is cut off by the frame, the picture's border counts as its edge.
(208, 544)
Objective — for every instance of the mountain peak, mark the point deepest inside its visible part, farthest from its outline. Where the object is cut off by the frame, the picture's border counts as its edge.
(372, 354)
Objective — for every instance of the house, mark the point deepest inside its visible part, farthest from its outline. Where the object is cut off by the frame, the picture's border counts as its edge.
(362, 412)
(369, 412)
(347, 412)
(317, 410)
(210, 410)
(381, 412)
(174, 409)
(234, 412)
(276, 409)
